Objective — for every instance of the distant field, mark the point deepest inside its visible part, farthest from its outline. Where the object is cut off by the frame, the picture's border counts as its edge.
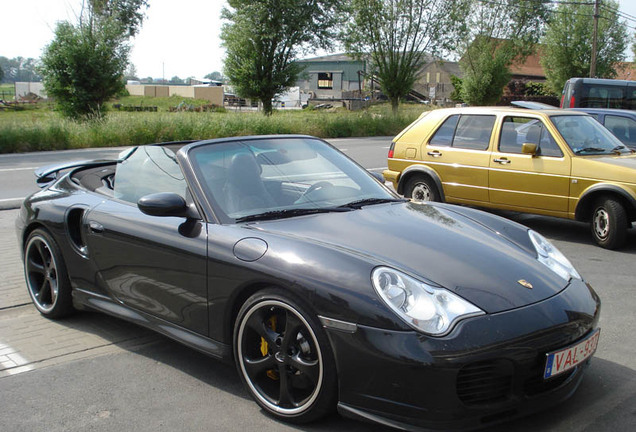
(41, 128)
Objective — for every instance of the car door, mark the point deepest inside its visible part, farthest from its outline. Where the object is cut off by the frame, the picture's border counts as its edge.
(458, 152)
(526, 182)
(623, 127)
(156, 265)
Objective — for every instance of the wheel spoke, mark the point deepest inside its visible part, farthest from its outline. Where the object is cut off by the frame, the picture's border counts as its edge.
(44, 292)
(292, 326)
(309, 368)
(257, 367)
(258, 323)
(285, 397)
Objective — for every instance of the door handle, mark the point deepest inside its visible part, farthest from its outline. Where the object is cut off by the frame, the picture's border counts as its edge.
(502, 161)
(95, 228)
(434, 153)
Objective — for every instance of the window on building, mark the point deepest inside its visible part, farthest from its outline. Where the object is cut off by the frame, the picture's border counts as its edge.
(325, 80)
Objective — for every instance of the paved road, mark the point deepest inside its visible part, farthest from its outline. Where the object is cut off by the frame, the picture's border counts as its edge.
(93, 372)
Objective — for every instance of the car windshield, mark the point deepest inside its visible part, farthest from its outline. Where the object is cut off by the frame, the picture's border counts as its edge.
(282, 177)
(586, 136)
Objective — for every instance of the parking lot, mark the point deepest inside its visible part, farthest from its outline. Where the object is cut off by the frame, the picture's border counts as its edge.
(93, 372)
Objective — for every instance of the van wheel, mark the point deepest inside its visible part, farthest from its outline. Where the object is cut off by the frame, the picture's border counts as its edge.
(420, 188)
(609, 223)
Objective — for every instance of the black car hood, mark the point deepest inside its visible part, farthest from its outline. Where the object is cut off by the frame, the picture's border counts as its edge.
(437, 244)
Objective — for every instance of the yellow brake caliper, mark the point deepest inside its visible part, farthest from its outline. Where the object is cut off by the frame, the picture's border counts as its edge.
(272, 374)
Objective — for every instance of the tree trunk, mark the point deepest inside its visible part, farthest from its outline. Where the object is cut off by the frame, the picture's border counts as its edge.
(395, 102)
(267, 106)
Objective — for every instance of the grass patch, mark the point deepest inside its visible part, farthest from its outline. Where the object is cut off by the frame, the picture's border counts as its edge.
(37, 130)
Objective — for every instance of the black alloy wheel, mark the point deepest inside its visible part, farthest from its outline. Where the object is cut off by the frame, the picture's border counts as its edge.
(46, 277)
(609, 223)
(284, 358)
(420, 189)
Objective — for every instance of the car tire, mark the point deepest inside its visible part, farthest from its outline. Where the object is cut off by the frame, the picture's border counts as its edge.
(609, 223)
(284, 357)
(46, 276)
(421, 188)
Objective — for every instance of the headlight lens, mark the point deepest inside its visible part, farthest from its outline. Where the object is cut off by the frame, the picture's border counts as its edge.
(429, 309)
(549, 255)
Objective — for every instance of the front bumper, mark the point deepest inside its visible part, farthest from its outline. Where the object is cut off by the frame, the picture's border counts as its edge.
(487, 370)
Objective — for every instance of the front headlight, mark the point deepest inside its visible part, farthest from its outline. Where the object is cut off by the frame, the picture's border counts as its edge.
(549, 255)
(429, 309)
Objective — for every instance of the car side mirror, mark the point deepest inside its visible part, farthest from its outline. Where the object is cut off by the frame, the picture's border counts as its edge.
(165, 204)
(379, 177)
(529, 148)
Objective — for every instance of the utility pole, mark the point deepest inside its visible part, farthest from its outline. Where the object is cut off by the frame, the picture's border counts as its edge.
(594, 39)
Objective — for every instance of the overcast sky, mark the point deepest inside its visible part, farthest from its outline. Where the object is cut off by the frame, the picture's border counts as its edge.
(177, 38)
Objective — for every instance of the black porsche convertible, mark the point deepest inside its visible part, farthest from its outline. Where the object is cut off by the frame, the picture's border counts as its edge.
(327, 290)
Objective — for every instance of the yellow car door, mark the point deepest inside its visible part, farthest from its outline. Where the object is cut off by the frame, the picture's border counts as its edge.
(537, 181)
(458, 152)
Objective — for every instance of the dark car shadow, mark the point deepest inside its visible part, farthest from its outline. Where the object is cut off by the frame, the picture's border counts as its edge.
(605, 400)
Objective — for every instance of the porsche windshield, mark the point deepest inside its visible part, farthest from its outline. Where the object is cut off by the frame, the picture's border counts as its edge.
(586, 136)
(281, 177)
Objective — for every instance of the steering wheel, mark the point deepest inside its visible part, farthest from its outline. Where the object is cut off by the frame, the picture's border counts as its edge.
(313, 188)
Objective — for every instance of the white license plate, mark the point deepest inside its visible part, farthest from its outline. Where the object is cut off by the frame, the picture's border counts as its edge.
(561, 361)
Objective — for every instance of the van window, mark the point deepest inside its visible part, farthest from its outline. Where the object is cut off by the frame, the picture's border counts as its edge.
(597, 96)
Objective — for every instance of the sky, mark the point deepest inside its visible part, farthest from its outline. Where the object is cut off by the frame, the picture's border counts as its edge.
(177, 37)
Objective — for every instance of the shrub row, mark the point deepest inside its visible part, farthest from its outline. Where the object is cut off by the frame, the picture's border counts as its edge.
(51, 132)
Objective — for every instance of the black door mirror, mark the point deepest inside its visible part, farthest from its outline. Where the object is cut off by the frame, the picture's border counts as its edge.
(164, 204)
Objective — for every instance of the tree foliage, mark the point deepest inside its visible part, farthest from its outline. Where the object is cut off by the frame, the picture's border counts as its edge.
(263, 38)
(19, 69)
(568, 42)
(503, 33)
(83, 67)
(399, 36)
(127, 14)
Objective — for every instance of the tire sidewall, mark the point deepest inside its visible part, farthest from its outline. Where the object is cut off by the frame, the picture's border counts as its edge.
(617, 223)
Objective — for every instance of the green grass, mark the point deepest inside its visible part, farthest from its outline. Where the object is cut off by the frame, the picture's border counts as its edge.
(43, 129)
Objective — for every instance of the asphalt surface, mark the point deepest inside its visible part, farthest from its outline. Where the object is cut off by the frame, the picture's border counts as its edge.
(93, 372)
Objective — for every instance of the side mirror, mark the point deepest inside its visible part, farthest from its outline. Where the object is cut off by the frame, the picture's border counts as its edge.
(529, 148)
(164, 204)
(379, 177)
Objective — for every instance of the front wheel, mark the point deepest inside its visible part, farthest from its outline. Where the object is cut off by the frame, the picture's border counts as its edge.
(609, 223)
(420, 188)
(284, 358)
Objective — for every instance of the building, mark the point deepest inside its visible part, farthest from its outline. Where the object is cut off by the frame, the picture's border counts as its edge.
(327, 77)
(434, 80)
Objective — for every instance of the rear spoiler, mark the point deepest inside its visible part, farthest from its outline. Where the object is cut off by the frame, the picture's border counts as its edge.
(48, 174)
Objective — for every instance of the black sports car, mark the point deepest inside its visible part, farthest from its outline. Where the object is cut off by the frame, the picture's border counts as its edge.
(327, 290)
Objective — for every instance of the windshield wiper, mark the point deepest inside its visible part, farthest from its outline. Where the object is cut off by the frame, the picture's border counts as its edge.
(280, 214)
(618, 149)
(590, 149)
(370, 201)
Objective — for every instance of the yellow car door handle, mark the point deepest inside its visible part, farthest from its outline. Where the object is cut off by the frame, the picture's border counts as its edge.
(502, 161)
(434, 153)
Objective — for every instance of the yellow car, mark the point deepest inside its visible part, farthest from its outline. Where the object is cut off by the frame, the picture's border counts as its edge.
(549, 162)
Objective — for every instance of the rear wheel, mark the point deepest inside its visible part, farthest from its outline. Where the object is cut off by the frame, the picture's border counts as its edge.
(421, 188)
(284, 357)
(46, 277)
(609, 223)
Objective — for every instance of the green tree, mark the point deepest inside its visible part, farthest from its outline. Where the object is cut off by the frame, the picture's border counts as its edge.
(456, 94)
(1, 73)
(127, 14)
(264, 37)
(504, 32)
(215, 76)
(398, 36)
(83, 67)
(568, 42)
(19, 69)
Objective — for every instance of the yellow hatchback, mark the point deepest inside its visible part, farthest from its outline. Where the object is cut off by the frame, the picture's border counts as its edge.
(549, 162)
